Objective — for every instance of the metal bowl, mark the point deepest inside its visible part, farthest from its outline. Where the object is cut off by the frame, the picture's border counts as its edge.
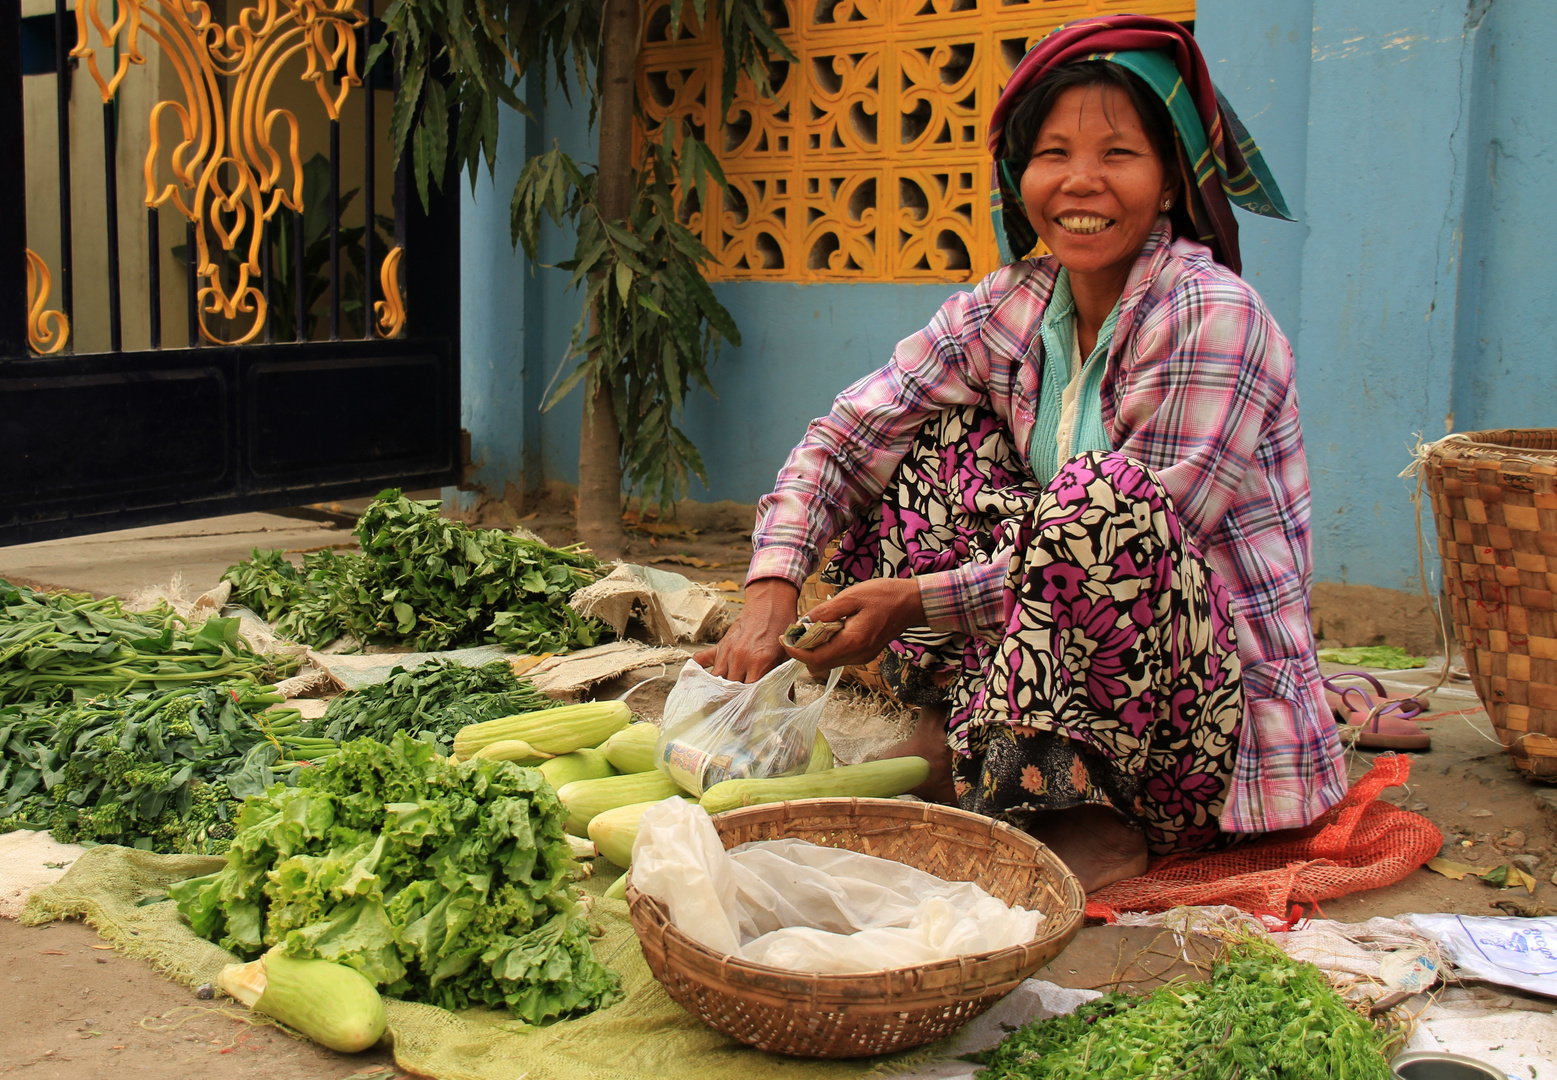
(1437, 1065)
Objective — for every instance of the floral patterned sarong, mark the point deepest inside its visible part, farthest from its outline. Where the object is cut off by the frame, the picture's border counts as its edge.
(1114, 679)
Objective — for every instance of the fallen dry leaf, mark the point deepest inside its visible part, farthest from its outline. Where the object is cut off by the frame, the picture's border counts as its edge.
(522, 664)
(1508, 876)
(686, 560)
(1451, 869)
(727, 586)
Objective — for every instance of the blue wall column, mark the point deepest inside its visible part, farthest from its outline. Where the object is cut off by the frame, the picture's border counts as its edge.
(1506, 349)
(494, 320)
(1389, 137)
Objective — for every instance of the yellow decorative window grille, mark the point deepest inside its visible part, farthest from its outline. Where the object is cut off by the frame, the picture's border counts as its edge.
(868, 164)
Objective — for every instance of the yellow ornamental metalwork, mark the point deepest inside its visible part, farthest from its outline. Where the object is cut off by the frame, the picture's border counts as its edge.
(868, 164)
(47, 331)
(227, 174)
(390, 310)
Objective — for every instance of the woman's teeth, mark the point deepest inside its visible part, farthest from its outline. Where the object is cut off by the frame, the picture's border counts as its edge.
(1084, 223)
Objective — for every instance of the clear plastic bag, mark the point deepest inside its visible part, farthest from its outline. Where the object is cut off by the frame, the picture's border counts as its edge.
(717, 729)
(792, 904)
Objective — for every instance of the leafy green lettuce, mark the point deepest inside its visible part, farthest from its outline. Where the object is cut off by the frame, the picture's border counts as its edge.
(442, 883)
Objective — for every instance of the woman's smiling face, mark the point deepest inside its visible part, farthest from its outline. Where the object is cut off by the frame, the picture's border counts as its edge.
(1095, 184)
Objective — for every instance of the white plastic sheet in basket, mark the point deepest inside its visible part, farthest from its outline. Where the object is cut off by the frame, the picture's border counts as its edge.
(800, 906)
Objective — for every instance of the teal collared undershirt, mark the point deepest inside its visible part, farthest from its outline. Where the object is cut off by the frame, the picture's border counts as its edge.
(1058, 331)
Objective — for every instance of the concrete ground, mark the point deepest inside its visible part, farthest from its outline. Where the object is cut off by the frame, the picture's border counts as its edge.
(1489, 814)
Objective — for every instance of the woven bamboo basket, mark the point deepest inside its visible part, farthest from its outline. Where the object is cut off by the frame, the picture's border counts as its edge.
(1495, 505)
(877, 1012)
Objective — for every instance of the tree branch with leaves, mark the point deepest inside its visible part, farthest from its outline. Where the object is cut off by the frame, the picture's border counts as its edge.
(651, 325)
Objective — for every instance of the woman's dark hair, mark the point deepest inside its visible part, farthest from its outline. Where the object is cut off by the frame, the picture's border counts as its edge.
(1025, 121)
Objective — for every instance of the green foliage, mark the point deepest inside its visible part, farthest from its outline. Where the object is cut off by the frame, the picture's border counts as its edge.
(651, 321)
(431, 702)
(458, 63)
(441, 883)
(426, 581)
(1390, 657)
(747, 41)
(157, 771)
(56, 644)
(1262, 1016)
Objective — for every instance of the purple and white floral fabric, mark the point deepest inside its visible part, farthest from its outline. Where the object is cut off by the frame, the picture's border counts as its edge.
(1115, 678)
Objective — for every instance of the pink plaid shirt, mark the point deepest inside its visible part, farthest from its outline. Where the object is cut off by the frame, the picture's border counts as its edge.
(1200, 389)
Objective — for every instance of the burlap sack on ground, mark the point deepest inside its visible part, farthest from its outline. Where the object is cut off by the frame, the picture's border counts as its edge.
(28, 862)
(647, 1036)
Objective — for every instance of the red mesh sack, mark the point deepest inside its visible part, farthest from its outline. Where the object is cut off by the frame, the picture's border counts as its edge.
(1360, 843)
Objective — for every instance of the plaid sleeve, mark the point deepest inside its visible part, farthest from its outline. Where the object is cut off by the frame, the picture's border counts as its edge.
(1212, 409)
(1207, 384)
(970, 598)
(847, 456)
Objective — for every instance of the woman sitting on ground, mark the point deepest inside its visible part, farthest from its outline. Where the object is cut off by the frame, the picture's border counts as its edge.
(1075, 507)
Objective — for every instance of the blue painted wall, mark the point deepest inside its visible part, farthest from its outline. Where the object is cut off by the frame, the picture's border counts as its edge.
(1414, 140)
(494, 367)
(1506, 370)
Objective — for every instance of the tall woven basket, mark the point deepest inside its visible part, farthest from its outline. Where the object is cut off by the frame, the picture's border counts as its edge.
(1495, 505)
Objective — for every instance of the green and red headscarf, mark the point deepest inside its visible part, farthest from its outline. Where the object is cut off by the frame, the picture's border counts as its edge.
(1220, 162)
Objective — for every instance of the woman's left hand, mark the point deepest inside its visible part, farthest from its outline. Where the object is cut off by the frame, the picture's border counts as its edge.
(873, 613)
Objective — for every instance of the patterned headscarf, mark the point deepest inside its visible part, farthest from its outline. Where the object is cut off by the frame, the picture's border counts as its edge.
(1218, 159)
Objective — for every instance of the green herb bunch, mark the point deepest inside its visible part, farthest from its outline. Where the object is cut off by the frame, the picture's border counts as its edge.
(53, 645)
(1262, 1016)
(425, 581)
(441, 883)
(430, 702)
(158, 771)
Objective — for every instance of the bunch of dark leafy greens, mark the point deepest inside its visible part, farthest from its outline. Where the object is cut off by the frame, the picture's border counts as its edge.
(1261, 1016)
(432, 701)
(441, 883)
(159, 770)
(54, 645)
(426, 581)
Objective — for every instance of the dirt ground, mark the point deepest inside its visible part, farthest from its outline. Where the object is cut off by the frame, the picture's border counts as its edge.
(76, 1010)
(79, 1011)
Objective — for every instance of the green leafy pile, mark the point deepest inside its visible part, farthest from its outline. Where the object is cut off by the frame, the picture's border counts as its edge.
(425, 581)
(1390, 657)
(430, 702)
(53, 645)
(1262, 1016)
(158, 771)
(442, 883)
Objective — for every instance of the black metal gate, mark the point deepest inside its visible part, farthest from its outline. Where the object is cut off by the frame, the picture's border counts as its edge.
(318, 353)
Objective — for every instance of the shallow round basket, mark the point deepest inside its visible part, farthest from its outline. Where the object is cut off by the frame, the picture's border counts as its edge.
(874, 1012)
(1495, 505)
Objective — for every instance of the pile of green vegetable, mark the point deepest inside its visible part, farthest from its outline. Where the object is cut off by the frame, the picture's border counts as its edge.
(131, 727)
(1261, 1016)
(53, 645)
(1389, 657)
(432, 701)
(449, 884)
(159, 771)
(426, 581)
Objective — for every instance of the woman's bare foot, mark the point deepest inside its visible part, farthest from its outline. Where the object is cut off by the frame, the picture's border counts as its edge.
(1099, 848)
(929, 742)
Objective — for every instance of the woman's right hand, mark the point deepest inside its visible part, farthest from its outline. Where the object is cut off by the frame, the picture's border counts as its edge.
(752, 646)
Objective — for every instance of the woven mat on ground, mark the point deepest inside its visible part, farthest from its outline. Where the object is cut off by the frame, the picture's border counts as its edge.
(647, 1036)
(1360, 843)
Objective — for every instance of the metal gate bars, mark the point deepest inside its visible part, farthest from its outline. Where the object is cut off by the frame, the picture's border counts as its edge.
(307, 369)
